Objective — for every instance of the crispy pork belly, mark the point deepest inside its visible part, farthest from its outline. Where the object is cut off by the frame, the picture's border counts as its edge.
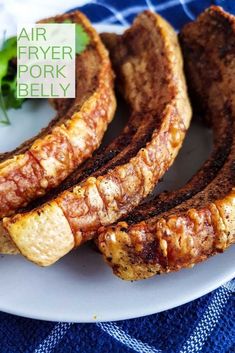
(180, 229)
(148, 63)
(44, 161)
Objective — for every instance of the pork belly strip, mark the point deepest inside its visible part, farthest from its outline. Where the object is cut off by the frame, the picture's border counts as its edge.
(160, 238)
(43, 162)
(103, 158)
(148, 61)
(136, 134)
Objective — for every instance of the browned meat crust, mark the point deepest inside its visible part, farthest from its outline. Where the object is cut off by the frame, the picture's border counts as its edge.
(203, 223)
(41, 163)
(149, 64)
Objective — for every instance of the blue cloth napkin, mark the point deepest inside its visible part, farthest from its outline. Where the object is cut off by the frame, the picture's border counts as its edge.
(204, 325)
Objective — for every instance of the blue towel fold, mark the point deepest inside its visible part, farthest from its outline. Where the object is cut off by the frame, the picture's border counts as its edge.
(204, 325)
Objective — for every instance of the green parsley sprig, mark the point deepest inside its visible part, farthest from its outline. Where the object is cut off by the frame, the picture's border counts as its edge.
(8, 90)
(82, 39)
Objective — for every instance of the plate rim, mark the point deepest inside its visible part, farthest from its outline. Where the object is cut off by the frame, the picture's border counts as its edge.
(121, 315)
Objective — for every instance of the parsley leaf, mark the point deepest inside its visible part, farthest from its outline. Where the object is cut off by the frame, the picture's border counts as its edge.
(82, 38)
(9, 90)
(8, 97)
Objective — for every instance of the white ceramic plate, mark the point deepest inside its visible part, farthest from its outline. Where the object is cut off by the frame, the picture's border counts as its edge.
(80, 287)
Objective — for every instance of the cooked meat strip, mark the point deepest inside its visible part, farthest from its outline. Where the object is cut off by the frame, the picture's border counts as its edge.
(47, 159)
(130, 139)
(222, 138)
(102, 159)
(149, 63)
(169, 239)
